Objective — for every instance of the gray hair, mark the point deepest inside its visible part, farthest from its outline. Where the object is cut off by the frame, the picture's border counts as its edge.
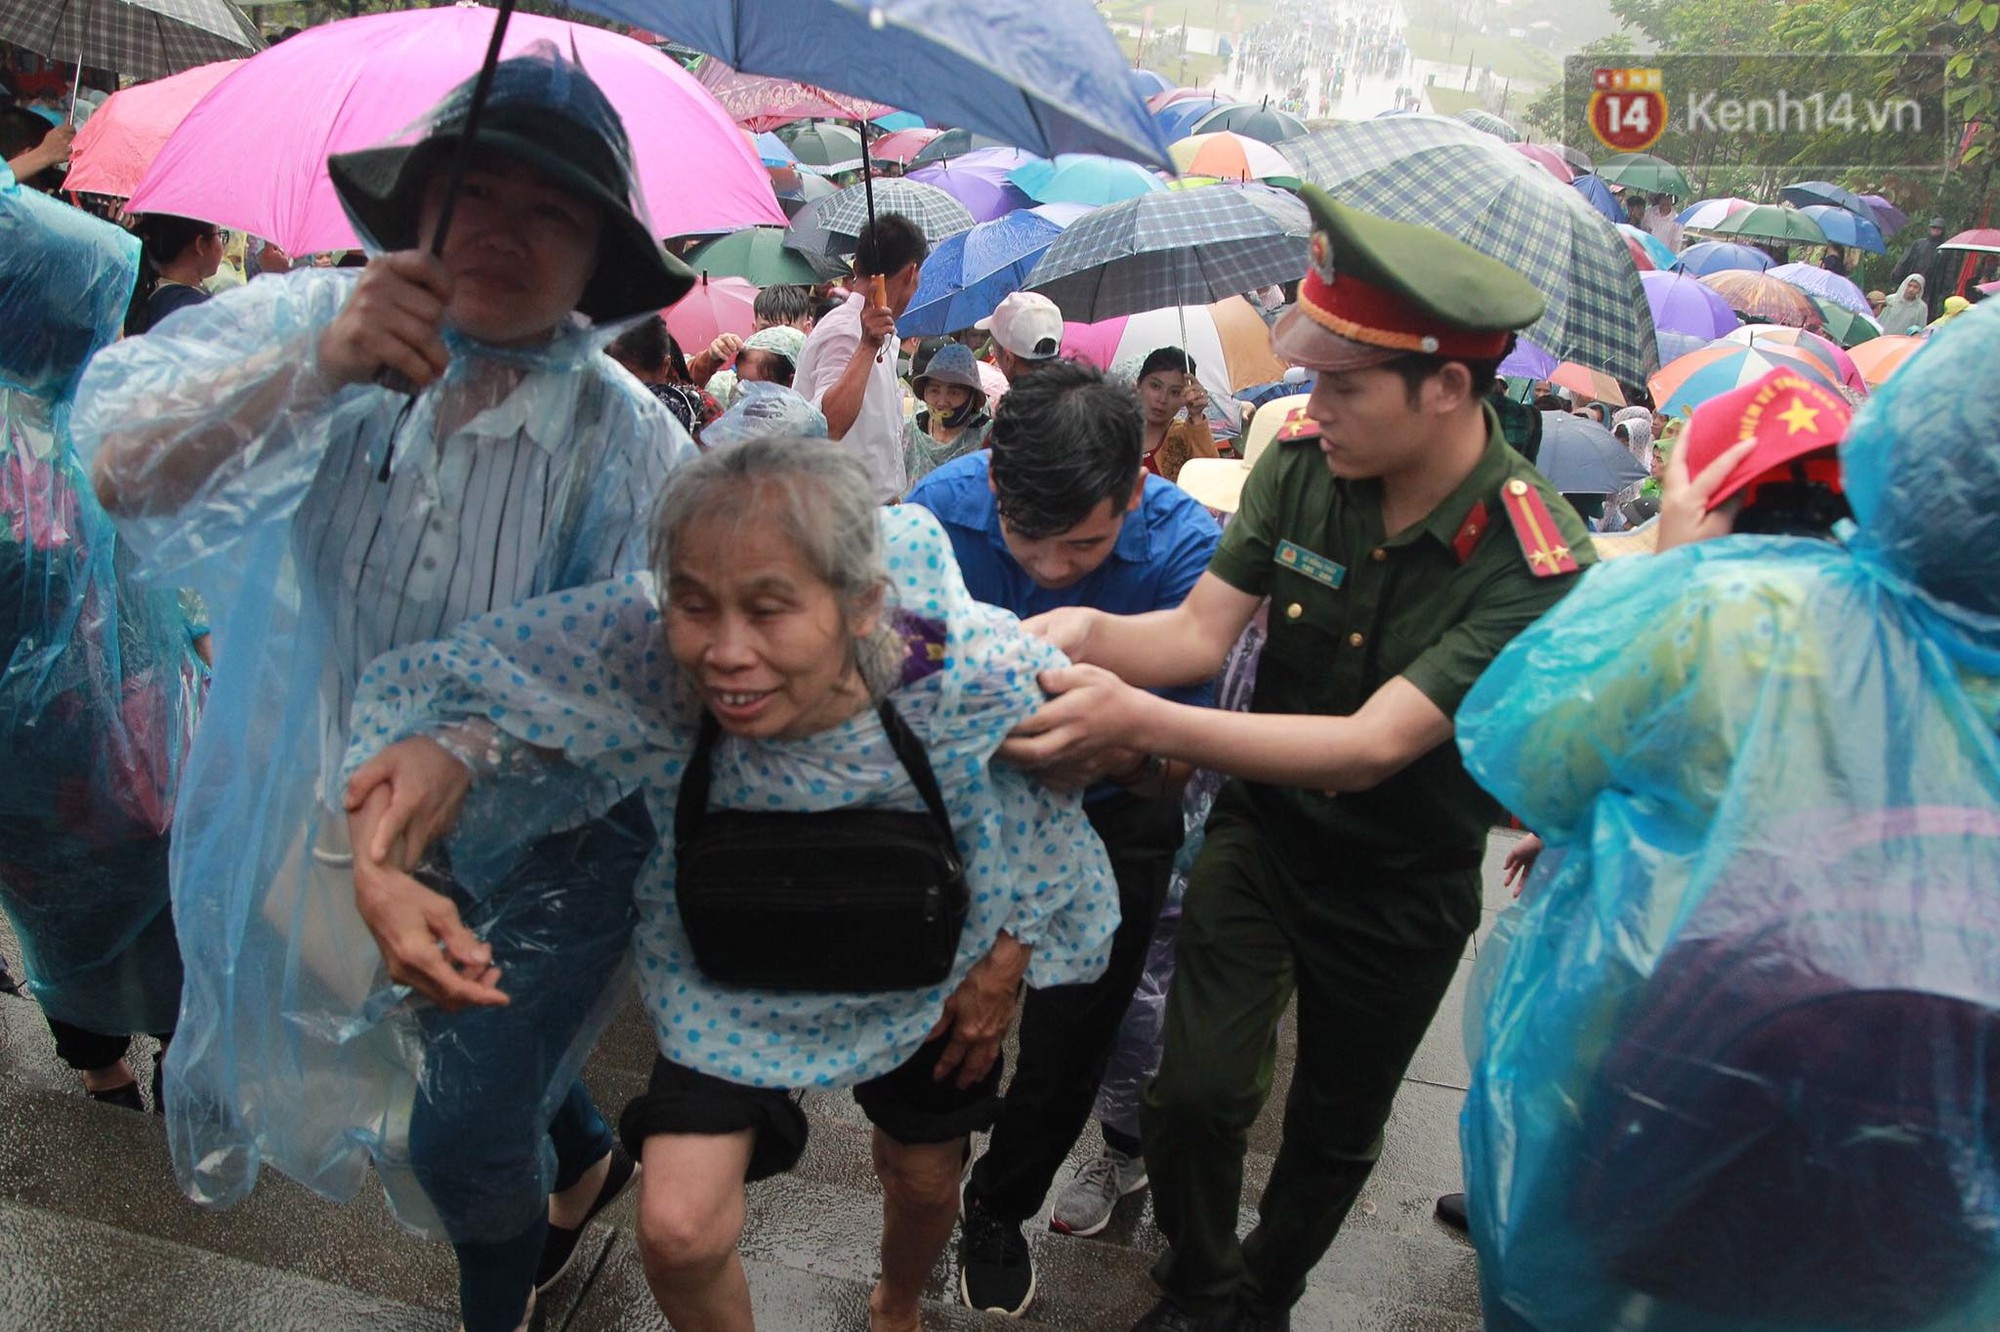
(818, 497)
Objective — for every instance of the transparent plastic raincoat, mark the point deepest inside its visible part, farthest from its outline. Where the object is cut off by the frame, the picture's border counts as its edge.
(101, 683)
(1736, 1054)
(588, 673)
(239, 467)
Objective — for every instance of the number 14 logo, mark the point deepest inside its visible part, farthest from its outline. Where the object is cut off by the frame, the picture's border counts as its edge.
(1628, 108)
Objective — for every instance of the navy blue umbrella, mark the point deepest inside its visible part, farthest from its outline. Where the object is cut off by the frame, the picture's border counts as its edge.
(1044, 75)
(1600, 196)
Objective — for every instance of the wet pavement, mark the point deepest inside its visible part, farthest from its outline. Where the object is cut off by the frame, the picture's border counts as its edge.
(100, 1236)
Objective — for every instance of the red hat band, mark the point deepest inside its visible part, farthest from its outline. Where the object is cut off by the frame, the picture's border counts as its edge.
(1366, 313)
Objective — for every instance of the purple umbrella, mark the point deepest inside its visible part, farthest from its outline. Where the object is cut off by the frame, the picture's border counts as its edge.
(1827, 286)
(1891, 218)
(1528, 361)
(1681, 304)
(978, 180)
(1720, 256)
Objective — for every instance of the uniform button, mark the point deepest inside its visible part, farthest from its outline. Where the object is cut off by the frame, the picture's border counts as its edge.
(1355, 640)
(1378, 555)
(430, 562)
(1293, 611)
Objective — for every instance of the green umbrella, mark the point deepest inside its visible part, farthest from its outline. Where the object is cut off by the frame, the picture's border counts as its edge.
(1843, 325)
(757, 255)
(1770, 222)
(1643, 171)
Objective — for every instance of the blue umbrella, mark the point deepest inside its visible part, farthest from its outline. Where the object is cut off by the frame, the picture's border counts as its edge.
(1580, 457)
(1045, 75)
(1149, 82)
(1084, 178)
(1176, 119)
(1656, 249)
(1844, 227)
(1805, 192)
(774, 151)
(1720, 256)
(968, 275)
(1600, 196)
(898, 120)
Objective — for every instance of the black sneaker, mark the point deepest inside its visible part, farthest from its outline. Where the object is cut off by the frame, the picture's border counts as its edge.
(1246, 1319)
(559, 1249)
(1169, 1315)
(995, 1273)
(126, 1097)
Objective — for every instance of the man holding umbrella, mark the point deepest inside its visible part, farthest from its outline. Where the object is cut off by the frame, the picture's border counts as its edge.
(1923, 259)
(1400, 550)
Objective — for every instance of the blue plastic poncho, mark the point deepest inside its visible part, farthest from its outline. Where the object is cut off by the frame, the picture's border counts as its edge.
(255, 478)
(1736, 1055)
(101, 682)
(588, 672)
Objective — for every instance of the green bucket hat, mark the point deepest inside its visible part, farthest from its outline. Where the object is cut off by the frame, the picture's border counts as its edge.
(545, 112)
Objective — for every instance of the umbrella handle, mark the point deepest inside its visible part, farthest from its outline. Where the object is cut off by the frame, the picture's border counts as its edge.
(395, 380)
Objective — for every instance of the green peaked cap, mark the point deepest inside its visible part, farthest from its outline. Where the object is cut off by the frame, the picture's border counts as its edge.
(1438, 275)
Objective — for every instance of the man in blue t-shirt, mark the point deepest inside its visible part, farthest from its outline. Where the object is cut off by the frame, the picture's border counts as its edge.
(1059, 511)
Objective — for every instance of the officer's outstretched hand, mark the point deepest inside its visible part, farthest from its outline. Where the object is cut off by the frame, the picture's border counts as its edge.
(1091, 710)
(393, 319)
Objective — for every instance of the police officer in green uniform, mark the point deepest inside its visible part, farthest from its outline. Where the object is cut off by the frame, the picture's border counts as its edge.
(1401, 549)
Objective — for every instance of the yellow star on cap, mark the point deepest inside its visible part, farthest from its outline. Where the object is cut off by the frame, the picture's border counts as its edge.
(1800, 417)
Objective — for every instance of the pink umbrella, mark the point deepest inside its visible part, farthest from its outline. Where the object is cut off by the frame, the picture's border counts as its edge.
(252, 154)
(764, 103)
(715, 306)
(122, 137)
(1548, 159)
(902, 145)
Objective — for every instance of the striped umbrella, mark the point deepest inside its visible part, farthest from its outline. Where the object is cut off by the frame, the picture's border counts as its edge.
(1442, 173)
(1878, 358)
(1764, 298)
(1824, 350)
(1227, 156)
(1591, 385)
(1173, 248)
(1655, 249)
(1488, 123)
(1691, 380)
(1703, 215)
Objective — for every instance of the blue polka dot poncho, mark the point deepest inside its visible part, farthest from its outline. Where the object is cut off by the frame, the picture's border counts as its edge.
(587, 672)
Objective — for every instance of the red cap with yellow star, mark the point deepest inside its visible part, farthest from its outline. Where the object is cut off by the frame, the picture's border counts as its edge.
(1788, 415)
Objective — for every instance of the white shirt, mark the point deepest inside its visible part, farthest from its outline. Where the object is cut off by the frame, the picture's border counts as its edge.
(876, 437)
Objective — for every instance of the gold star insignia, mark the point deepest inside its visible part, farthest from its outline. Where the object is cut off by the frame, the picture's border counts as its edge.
(1800, 417)
(1540, 557)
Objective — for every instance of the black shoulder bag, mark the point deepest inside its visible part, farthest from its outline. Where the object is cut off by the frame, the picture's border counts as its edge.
(843, 900)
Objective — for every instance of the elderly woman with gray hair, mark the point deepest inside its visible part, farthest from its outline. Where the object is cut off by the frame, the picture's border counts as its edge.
(846, 891)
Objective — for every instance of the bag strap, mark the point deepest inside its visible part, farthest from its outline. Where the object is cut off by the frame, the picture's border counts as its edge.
(691, 807)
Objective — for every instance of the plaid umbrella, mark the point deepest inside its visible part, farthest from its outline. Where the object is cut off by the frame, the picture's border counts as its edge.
(936, 213)
(1444, 174)
(1491, 124)
(1176, 247)
(141, 39)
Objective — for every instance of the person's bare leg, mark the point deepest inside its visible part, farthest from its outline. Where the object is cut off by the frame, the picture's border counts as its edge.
(109, 1078)
(568, 1208)
(919, 1209)
(691, 1212)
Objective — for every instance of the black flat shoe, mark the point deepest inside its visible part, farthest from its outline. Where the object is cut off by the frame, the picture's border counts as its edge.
(1451, 1211)
(559, 1250)
(126, 1097)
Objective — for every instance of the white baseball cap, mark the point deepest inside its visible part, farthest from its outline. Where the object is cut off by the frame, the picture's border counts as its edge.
(1027, 324)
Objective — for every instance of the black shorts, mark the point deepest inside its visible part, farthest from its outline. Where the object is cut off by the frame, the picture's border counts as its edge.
(906, 1103)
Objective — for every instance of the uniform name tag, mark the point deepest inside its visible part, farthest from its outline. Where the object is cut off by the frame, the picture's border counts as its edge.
(1316, 567)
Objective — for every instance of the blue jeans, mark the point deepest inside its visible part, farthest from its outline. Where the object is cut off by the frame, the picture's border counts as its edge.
(493, 1132)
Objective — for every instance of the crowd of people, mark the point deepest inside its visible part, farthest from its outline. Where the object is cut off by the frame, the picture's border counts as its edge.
(863, 702)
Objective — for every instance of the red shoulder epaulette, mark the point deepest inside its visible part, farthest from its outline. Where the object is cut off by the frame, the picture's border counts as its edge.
(1467, 537)
(1535, 527)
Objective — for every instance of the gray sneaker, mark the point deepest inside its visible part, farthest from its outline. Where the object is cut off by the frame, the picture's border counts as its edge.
(1084, 1207)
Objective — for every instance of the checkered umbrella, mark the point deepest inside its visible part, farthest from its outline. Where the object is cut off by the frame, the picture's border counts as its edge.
(936, 213)
(141, 39)
(1444, 174)
(1177, 247)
